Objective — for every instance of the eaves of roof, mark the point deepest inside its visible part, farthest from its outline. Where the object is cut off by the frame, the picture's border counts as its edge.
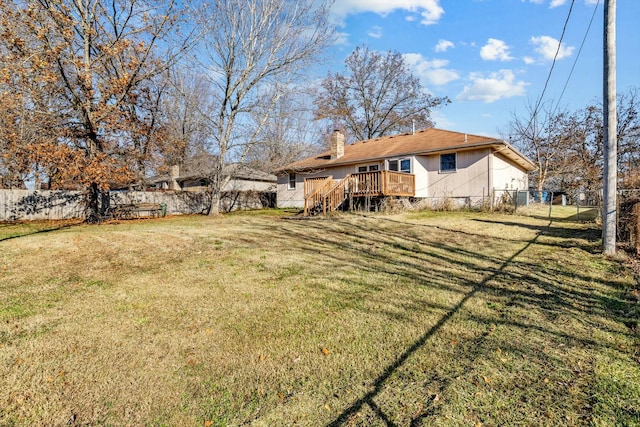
(242, 173)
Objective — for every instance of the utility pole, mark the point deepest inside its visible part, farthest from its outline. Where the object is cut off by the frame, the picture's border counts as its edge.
(610, 175)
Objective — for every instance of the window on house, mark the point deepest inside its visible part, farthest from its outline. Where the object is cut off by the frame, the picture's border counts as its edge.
(448, 162)
(368, 168)
(405, 166)
(292, 181)
(400, 165)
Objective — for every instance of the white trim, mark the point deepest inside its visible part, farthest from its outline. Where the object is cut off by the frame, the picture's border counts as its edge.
(368, 167)
(411, 160)
(454, 170)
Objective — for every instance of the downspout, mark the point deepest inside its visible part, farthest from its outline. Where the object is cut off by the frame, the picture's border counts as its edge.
(490, 176)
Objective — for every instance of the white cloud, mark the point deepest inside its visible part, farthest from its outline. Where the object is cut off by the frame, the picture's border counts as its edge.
(495, 50)
(440, 120)
(547, 46)
(342, 38)
(430, 10)
(430, 72)
(528, 60)
(591, 2)
(375, 32)
(432, 13)
(556, 3)
(496, 86)
(443, 45)
(410, 18)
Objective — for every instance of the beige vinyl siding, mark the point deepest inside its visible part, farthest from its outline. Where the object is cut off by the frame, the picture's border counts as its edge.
(506, 175)
(421, 171)
(290, 198)
(471, 178)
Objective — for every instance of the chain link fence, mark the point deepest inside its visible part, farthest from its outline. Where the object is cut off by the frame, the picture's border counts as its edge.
(582, 206)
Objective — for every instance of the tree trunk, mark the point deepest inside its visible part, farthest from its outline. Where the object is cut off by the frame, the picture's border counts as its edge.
(540, 187)
(214, 210)
(93, 201)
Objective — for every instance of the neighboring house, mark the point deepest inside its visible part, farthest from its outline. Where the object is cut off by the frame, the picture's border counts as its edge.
(247, 189)
(431, 164)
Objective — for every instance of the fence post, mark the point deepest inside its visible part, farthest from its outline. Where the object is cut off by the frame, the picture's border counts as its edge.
(491, 196)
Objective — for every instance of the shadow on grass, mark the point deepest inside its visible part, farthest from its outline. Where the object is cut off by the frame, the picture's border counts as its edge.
(521, 287)
(32, 230)
(379, 383)
(590, 234)
(585, 215)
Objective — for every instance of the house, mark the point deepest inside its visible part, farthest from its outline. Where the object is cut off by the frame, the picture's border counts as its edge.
(248, 188)
(432, 164)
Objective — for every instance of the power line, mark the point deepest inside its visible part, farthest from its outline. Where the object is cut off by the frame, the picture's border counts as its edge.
(593, 15)
(555, 57)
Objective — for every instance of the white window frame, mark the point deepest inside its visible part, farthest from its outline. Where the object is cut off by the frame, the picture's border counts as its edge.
(400, 160)
(368, 168)
(455, 158)
(290, 181)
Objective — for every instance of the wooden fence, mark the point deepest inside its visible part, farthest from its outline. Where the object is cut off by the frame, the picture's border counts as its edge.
(29, 205)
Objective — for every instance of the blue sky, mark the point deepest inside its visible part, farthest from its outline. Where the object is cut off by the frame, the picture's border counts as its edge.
(492, 57)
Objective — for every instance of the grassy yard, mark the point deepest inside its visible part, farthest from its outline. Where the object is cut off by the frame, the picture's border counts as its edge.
(461, 319)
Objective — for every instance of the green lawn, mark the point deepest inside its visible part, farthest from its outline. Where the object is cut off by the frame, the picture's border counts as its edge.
(253, 319)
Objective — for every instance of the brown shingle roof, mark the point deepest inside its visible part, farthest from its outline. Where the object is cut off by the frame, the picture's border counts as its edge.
(429, 141)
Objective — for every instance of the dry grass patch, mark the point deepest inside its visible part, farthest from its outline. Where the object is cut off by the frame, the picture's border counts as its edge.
(414, 319)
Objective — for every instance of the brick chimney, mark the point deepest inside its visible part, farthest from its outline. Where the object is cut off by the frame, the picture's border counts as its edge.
(337, 144)
(174, 173)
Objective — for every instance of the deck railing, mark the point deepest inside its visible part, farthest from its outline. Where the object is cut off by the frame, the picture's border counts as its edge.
(314, 190)
(364, 183)
(330, 194)
(311, 184)
(336, 195)
(398, 184)
(382, 183)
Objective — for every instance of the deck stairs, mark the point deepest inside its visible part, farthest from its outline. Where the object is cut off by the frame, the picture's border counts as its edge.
(327, 196)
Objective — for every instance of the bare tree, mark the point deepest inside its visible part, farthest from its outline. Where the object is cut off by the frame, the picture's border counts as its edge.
(568, 147)
(289, 133)
(185, 108)
(586, 129)
(541, 137)
(377, 95)
(582, 160)
(249, 50)
(629, 137)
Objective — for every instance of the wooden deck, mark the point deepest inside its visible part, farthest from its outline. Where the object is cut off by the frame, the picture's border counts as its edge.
(328, 194)
(382, 183)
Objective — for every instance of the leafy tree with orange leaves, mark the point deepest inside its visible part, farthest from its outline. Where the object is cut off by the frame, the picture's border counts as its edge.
(90, 64)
